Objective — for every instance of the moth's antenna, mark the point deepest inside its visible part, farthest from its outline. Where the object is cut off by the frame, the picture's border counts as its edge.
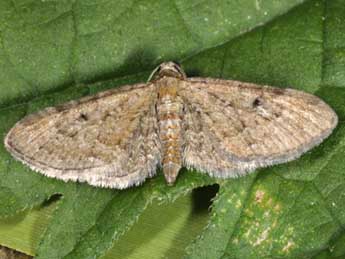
(153, 73)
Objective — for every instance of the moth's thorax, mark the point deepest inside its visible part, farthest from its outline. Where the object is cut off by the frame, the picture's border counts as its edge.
(169, 109)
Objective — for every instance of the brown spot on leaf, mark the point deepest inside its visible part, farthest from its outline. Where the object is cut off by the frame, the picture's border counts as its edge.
(259, 195)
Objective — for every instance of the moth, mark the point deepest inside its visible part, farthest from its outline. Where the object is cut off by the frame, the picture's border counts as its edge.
(119, 137)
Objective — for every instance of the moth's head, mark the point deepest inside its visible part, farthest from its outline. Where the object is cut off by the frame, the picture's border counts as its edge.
(167, 69)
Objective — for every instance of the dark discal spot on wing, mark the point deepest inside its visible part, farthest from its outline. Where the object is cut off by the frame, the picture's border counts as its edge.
(257, 102)
(84, 116)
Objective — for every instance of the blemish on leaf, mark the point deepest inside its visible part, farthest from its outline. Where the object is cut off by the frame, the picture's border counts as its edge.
(247, 234)
(249, 212)
(257, 5)
(238, 204)
(277, 208)
(288, 246)
(259, 195)
(262, 237)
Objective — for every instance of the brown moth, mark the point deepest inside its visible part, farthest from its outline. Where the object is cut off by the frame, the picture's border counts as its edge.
(117, 138)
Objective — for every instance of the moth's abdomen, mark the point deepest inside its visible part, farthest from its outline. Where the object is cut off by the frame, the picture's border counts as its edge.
(169, 110)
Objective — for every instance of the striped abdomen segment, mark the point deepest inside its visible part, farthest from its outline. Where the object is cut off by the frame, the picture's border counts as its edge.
(169, 110)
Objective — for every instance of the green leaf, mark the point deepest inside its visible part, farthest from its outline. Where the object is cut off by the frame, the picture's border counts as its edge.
(54, 51)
